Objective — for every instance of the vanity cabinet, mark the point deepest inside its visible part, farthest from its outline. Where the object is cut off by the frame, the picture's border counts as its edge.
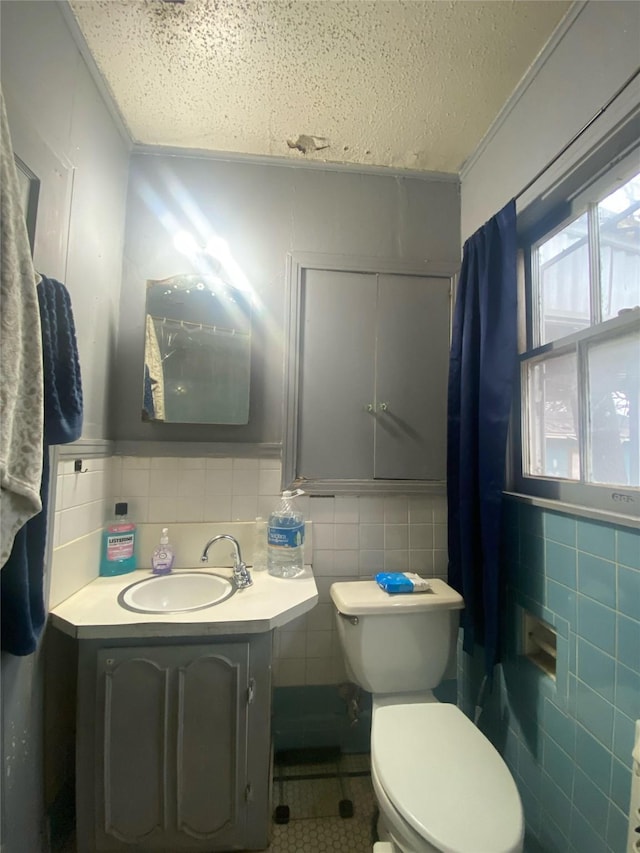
(164, 762)
(367, 383)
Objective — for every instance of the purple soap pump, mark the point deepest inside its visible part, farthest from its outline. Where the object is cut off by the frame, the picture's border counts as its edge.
(163, 555)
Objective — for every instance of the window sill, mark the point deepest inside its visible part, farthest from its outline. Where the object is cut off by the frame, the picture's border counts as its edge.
(576, 509)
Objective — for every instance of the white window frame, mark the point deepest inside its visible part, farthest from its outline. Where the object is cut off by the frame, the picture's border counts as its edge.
(620, 501)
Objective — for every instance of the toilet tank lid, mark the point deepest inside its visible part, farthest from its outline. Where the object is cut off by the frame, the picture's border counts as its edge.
(358, 598)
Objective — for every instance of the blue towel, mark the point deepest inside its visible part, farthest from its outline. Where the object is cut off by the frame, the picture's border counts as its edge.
(21, 580)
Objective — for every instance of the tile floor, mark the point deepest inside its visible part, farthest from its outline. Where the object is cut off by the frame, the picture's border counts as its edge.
(313, 792)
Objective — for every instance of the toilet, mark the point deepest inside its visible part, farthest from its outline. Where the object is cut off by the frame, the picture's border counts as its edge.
(441, 786)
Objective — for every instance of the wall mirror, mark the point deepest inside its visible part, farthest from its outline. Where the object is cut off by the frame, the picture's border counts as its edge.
(197, 351)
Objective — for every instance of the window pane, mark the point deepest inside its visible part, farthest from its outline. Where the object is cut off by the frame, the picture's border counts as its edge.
(614, 421)
(619, 221)
(552, 411)
(563, 270)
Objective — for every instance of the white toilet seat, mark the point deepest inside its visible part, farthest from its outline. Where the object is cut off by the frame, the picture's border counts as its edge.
(448, 788)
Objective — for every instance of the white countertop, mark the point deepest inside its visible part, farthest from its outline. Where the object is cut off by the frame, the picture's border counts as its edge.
(93, 612)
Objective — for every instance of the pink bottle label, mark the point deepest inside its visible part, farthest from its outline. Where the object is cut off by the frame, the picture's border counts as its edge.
(120, 541)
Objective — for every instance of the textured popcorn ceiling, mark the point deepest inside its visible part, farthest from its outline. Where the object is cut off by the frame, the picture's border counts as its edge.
(402, 84)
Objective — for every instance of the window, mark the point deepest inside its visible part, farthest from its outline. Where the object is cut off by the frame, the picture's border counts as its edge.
(580, 374)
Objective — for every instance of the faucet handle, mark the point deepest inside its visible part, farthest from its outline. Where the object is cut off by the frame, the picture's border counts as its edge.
(242, 576)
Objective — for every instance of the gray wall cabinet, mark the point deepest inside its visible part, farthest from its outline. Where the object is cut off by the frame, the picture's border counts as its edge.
(173, 748)
(367, 387)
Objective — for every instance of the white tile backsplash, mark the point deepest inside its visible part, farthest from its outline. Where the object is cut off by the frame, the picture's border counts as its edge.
(371, 562)
(218, 507)
(191, 483)
(421, 536)
(162, 508)
(420, 510)
(322, 510)
(396, 510)
(347, 510)
(244, 507)
(323, 561)
(269, 481)
(396, 537)
(350, 536)
(165, 463)
(245, 481)
(346, 563)
(194, 463)
(396, 561)
(163, 482)
(440, 536)
(347, 536)
(190, 508)
(371, 510)
(324, 535)
(219, 463)
(135, 482)
(242, 464)
(372, 537)
(218, 481)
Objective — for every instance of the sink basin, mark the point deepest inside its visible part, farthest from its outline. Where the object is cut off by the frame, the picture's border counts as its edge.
(176, 593)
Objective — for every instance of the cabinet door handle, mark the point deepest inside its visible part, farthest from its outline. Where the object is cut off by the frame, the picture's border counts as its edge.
(384, 407)
(371, 407)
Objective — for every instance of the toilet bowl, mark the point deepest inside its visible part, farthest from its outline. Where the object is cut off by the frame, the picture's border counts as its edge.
(441, 786)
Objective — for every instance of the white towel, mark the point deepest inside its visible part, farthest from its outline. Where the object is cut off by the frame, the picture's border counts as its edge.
(21, 392)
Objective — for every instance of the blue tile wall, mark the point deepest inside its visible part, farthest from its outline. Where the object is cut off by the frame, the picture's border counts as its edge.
(567, 742)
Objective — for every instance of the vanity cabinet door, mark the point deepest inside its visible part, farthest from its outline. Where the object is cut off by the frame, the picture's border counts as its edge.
(211, 743)
(171, 769)
(133, 756)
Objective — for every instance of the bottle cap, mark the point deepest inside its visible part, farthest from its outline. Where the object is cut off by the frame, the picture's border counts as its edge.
(122, 508)
(164, 539)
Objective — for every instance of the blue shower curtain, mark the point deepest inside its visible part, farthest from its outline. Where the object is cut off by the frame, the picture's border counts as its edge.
(482, 370)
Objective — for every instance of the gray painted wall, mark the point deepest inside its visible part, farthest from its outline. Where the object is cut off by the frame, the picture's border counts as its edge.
(597, 53)
(263, 211)
(59, 117)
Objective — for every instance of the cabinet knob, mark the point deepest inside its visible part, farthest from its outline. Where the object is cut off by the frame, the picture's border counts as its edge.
(384, 407)
(370, 407)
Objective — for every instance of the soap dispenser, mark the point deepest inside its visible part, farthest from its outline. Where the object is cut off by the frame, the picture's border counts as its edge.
(163, 555)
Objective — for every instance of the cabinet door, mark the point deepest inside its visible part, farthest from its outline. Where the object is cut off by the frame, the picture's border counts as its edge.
(172, 747)
(411, 377)
(336, 383)
(212, 743)
(133, 771)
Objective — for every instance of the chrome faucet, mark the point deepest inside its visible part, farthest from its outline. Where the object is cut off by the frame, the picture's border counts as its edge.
(241, 576)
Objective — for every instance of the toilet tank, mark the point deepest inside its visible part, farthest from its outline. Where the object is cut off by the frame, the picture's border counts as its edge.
(396, 643)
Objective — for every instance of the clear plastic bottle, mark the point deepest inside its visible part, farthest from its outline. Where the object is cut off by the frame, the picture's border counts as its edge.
(163, 555)
(285, 539)
(260, 545)
(118, 544)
